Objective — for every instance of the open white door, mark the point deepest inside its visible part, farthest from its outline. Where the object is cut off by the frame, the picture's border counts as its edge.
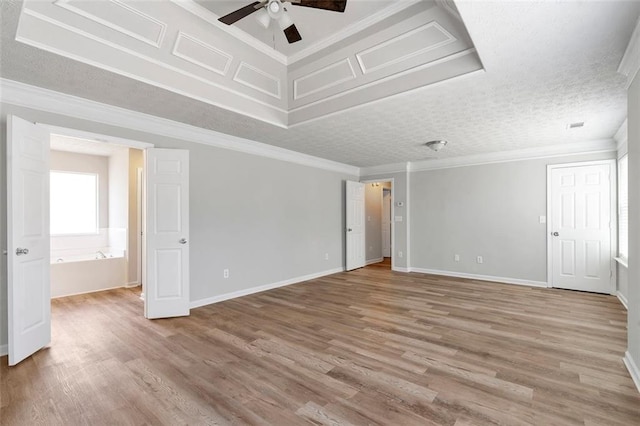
(166, 282)
(581, 224)
(29, 291)
(355, 225)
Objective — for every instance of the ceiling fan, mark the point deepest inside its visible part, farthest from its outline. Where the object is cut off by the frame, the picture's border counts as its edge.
(275, 9)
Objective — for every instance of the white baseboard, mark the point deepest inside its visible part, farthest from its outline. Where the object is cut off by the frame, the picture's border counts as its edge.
(132, 284)
(623, 299)
(633, 369)
(4, 350)
(400, 269)
(502, 280)
(89, 292)
(215, 299)
(378, 260)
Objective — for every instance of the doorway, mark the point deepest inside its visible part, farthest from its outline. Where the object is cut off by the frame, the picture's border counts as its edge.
(378, 223)
(166, 214)
(581, 236)
(93, 222)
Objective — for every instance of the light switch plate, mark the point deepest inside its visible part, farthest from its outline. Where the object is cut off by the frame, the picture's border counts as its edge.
(543, 219)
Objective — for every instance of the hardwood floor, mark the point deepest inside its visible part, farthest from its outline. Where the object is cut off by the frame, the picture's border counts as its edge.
(365, 347)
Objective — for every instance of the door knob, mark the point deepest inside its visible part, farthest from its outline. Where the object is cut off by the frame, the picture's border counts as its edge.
(182, 241)
(349, 229)
(21, 251)
(555, 234)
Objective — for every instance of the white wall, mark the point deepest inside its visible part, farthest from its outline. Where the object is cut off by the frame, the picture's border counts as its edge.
(266, 220)
(633, 327)
(622, 272)
(118, 199)
(487, 210)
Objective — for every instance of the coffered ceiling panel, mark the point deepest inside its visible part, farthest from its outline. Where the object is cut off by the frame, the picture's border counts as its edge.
(546, 64)
(177, 46)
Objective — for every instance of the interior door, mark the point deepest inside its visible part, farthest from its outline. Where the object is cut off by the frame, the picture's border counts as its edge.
(166, 282)
(580, 228)
(355, 225)
(386, 223)
(29, 291)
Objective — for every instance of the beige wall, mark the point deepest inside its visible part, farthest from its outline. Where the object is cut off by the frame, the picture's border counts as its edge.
(373, 221)
(136, 161)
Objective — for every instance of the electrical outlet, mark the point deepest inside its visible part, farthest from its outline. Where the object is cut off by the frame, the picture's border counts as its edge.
(370, 248)
(400, 254)
(479, 259)
(456, 258)
(225, 273)
(326, 256)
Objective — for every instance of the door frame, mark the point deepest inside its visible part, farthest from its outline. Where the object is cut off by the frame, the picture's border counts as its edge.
(613, 224)
(393, 211)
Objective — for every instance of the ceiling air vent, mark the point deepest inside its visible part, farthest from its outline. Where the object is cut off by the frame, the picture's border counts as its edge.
(575, 125)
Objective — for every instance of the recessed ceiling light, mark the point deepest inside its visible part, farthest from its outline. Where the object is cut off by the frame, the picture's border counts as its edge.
(436, 145)
(575, 125)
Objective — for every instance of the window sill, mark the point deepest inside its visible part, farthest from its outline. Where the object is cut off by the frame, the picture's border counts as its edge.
(621, 261)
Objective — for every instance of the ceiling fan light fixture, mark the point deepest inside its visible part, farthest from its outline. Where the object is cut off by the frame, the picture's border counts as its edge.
(436, 145)
(275, 9)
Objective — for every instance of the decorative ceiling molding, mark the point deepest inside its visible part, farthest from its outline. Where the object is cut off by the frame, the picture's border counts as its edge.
(630, 63)
(210, 17)
(395, 7)
(36, 98)
(577, 148)
(128, 14)
(384, 169)
(163, 45)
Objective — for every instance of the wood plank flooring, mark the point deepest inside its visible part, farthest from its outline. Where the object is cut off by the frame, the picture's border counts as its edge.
(364, 347)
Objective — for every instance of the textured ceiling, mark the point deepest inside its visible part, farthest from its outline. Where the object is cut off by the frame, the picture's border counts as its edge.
(547, 65)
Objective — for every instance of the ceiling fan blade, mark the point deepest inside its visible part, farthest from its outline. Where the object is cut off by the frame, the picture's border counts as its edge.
(292, 34)
(333, 5)
(237, 15)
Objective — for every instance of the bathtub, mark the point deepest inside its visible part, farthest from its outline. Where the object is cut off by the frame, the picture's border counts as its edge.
(77, 273)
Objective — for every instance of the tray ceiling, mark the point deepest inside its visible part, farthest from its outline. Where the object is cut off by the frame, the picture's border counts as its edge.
(180, 46)
(546, 64)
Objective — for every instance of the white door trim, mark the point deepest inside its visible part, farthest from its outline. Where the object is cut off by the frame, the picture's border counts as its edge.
(393, 222)
(613, 228)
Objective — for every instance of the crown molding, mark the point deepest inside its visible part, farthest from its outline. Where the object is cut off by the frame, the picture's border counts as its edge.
(37, 98)
(355, 28)
(383, 169)
(210, 17)
(262, 47)
(630, 63)
(588, 147)
(621, 136)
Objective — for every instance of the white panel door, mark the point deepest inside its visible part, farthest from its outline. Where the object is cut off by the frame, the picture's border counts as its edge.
(386, 223)
(166, 282)
(581, 249)
(29, 291)
(355, 225)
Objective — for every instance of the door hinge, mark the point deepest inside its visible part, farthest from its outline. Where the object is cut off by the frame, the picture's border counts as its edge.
(610, 273)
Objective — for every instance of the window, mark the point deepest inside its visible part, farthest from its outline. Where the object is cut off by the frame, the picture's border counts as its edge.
(623, 208)
(74, 203)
